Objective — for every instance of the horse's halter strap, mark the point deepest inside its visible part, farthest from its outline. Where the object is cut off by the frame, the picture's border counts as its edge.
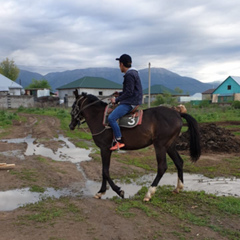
(76, 112)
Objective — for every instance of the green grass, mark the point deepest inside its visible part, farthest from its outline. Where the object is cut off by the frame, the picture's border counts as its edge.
(229, 167)
(193, 208)
(7, 116)
(49, 210)
(6, 119)
(36, 188)
(214, 114)
(29, 175)
(210, 114)
(146, 159)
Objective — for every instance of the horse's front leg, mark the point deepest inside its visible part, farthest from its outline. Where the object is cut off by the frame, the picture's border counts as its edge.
(106, 157)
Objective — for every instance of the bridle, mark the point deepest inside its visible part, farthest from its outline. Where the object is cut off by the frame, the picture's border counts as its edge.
(76, 111)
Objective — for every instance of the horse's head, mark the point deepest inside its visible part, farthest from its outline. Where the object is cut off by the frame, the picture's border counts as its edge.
(76, 115)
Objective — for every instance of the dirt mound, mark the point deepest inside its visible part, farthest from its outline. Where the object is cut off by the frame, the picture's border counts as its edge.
(213, 139)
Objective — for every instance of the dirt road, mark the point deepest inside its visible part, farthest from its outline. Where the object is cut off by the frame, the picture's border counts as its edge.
(80, 217)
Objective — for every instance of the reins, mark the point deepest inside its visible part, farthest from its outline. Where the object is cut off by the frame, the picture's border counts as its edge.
(77, 115)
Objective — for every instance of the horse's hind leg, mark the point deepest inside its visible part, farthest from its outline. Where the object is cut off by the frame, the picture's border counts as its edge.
(162, 167)
(174, 155)
(106, 155)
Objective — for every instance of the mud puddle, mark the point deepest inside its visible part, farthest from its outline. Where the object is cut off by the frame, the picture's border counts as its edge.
(67, 152)
(192, 182)
(13, 199)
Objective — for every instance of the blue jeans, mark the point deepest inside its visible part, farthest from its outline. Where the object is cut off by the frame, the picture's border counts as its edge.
(118, 112)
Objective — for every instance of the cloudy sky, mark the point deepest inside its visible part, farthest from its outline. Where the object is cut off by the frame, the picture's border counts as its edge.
(194, 38)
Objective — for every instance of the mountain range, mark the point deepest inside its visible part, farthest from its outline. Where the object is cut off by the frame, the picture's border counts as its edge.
(159, 76)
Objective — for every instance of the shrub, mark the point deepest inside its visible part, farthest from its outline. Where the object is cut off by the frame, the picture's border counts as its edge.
(236, 104)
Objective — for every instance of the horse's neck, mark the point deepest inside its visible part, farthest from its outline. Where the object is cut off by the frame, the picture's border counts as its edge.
(94, 117)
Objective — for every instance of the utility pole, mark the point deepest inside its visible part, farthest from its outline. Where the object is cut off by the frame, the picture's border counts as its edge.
(149, 85)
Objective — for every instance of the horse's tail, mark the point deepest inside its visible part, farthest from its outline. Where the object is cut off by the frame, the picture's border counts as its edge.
(195, 148)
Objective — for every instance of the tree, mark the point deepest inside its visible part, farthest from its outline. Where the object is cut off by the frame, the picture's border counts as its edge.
(9, 69)
(178, 90)
(39, 84)
(165, 98)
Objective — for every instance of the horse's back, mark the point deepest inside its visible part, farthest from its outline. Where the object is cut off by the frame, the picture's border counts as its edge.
(164, 118)
(162, 113)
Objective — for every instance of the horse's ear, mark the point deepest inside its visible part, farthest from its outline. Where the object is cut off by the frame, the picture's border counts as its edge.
(75, 93)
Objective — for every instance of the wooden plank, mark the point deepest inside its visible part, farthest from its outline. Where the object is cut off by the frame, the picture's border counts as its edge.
(1, 164)
(7, 166)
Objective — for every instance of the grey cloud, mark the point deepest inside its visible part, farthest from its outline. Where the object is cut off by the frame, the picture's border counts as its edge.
(62, 35)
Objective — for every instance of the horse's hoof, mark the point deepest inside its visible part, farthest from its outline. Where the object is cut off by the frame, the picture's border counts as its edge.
(146, 199)
(121, 194)
(175, 191)
(98, 195)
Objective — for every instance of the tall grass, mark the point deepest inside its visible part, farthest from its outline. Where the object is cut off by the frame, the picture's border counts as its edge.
(210, 113)
(6, 118)
(214, 113)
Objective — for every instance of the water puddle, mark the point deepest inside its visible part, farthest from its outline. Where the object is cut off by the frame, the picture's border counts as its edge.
(12, 199)
(67, 152)
(192, 182)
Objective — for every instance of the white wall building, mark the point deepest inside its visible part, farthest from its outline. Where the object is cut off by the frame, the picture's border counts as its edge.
(196, 96)
(8, 86)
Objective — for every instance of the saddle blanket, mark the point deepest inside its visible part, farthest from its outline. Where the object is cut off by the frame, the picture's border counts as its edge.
(129, 120)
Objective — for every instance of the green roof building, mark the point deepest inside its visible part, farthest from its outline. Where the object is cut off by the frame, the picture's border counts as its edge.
(92, 85)
(156, 90)
(160, 89)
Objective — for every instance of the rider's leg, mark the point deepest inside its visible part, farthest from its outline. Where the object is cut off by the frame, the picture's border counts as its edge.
(118, 112)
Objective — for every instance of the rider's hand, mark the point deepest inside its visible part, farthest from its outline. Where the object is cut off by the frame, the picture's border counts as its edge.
(116, 94)
(113, 100)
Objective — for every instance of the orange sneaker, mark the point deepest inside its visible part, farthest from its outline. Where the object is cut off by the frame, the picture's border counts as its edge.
(117, 146)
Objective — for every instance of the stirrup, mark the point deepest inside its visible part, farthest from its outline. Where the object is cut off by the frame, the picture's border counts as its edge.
(117, 146)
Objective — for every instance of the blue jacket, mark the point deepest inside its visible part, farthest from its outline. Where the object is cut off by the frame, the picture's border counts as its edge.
(132, 89)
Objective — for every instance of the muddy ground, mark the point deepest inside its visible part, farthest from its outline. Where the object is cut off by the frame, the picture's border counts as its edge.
(100, 220)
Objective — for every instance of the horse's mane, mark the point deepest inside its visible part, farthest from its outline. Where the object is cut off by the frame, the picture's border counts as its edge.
(91, 98)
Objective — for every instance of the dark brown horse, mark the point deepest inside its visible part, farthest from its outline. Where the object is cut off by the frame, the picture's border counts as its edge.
(160, 126)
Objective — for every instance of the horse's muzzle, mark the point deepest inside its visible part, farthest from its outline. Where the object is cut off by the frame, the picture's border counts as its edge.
(71, 127)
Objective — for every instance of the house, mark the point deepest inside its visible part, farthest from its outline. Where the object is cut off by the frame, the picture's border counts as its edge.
(207, 95)
(12, 94)
(37, 92)
(92, 85)
(7, 86)
(156, 90)
(227, 91)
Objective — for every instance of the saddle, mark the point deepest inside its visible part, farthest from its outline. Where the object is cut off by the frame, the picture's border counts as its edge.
(129, 120)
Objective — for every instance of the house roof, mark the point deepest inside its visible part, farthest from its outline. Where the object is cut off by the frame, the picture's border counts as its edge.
(92, 82)
(209, 91)
(6, 84)
(237, 79)
(160, 89)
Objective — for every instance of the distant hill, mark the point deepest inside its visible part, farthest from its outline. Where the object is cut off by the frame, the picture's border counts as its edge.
(158, 76)
(26, 77)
